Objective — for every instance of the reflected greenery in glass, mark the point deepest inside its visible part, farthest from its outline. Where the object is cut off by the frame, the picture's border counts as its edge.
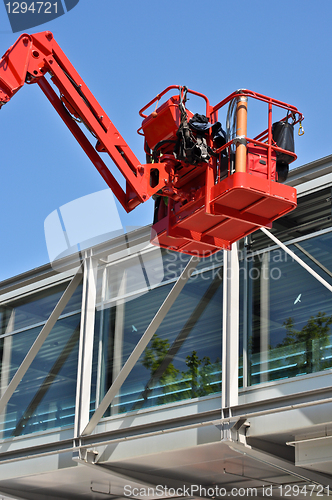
(289, 315)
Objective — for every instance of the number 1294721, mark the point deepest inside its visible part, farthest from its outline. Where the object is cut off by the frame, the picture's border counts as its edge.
(32, 8)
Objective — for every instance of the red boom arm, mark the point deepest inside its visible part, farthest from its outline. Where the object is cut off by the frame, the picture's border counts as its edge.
(34, 56)
(205, 200)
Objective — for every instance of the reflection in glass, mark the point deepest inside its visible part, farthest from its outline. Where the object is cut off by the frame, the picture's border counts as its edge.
(290, 315)
(36, 308)
(183, 359)
(45, 397)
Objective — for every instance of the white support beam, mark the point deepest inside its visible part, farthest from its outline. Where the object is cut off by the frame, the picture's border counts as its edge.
(246, 315)
(84, 368)
(5, 365)
(101, 354)
(53, 318)
(119, 331)
(230, 342)
(143, 342)
(264, 317)
(297, 259)
(6, 354)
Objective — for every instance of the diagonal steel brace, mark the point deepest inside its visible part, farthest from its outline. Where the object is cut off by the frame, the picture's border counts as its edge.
(297, 259)
(143, 342)
(53, 318)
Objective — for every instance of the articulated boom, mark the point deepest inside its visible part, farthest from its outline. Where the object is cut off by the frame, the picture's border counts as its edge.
(211, 188)
(34, 56)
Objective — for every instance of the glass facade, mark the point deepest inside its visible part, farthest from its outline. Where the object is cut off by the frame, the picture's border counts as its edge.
(289, 311)
(45, 397)
(285, 318)
(183, 359)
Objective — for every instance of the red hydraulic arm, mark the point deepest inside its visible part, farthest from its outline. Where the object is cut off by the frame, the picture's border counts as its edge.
(29, 60)
(209, 192)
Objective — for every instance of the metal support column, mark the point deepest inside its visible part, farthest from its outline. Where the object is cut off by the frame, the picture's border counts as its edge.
(5, 365)
(118, 334)
(101, 353)
(230, 342)
(84, 368)
(264, 317)
(245, 308)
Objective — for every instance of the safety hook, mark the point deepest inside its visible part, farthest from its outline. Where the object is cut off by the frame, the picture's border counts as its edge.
(301, 129)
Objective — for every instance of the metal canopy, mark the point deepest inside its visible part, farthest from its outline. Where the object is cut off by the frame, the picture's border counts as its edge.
(226, 464)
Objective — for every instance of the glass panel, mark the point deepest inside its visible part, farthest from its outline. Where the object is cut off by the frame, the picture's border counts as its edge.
(130, 276)
(36, 308)
(183, 360)
(290, 318)
(143, 271)
(45, 397)
(14, 348)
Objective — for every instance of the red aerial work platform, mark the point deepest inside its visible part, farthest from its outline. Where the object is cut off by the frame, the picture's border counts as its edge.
(211, 190)
(224, 206)
(239, 205)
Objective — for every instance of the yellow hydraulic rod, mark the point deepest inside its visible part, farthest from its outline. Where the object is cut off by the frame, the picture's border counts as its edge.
(241, 133)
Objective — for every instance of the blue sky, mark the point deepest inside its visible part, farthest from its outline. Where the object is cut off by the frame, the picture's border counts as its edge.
(127, 52)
